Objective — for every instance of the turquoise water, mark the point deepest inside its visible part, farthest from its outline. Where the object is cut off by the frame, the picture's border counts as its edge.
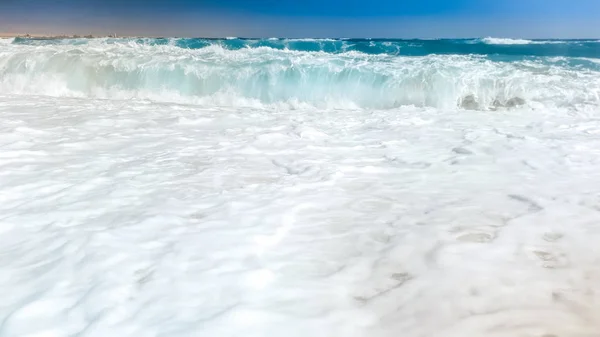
(483, 74)
(493, 47)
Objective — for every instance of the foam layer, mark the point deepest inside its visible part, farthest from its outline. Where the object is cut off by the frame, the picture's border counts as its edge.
(129, 219)
(493, 40)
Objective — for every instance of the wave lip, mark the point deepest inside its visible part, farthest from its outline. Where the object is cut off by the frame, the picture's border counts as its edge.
(6, 40)
(507, 41)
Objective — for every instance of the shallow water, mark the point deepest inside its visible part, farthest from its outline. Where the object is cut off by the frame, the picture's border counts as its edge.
(141, 218)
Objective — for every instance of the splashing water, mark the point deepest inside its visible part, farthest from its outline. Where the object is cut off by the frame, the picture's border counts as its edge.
(278, 187)
(238, 72)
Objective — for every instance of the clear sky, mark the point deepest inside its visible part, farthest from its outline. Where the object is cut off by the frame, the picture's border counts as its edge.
(306, 18)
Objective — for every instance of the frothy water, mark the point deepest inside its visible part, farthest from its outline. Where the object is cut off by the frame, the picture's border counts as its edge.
(493, 40)
(151, 189)
(263, 76)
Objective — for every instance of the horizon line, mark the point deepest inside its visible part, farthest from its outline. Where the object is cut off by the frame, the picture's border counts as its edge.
(71, 36)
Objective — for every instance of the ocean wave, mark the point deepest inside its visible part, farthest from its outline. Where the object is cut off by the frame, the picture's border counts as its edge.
(495, 40)
(264, 76)
(507, 41)
(9, 40)
(596, 61)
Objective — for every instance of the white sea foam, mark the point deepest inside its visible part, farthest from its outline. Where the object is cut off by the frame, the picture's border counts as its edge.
(507, 41)
(4, 40)
(495, 40)
(597, 61)
(230, 214)
(312, 40)
(127, 218)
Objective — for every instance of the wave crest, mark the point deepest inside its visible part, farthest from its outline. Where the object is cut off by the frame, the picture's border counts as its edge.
(264, 76)
(4, 41)
(505, 41)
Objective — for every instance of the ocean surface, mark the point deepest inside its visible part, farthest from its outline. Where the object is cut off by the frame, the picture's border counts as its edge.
(299, 187)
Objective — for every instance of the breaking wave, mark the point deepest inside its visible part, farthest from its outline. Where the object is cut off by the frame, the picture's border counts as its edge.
(267, 76)
(493, 40)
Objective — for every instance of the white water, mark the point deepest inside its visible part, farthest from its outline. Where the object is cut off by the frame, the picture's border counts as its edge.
(498, 40)
(132, 218)
(507, 41)
(264, 77)
(160, 191)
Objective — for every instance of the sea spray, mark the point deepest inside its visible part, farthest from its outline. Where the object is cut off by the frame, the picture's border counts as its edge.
(239, 72)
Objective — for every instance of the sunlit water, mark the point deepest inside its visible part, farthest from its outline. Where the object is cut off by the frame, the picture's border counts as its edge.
(149, 217)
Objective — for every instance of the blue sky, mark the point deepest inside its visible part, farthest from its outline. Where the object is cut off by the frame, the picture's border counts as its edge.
(306, 18)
